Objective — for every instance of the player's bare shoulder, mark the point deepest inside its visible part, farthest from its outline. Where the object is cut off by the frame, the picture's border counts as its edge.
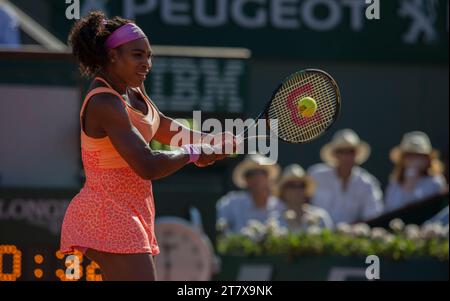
(108, 108)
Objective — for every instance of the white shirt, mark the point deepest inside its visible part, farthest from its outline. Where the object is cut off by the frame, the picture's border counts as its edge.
(238, 207)
(362, 199)
(397, 197)
(310, 212)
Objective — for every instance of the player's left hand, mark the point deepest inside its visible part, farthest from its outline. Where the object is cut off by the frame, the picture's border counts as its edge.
(224, 144)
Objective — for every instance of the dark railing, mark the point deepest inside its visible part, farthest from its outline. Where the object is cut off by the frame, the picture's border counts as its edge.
(415, 213)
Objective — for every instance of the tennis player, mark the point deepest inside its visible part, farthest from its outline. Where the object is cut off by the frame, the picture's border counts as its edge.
(111, 219)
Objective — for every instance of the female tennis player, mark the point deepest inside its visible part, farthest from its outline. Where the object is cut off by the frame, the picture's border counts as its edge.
(111, 219)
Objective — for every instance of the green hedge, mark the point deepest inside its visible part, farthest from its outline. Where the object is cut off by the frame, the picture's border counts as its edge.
(400, 242)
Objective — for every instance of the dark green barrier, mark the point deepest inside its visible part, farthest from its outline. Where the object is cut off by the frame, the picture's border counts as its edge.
(327, 268)
(416, 213)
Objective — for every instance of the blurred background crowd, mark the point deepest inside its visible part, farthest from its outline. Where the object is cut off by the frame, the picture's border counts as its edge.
(337, 190)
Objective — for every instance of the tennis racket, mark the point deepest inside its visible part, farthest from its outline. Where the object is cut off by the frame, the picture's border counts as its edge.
(282, 115)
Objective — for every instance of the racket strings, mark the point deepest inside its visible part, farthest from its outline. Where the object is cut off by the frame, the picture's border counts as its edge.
(280, 111)
(326, 96)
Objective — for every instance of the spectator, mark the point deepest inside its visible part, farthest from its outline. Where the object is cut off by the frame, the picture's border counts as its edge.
(346, 191)
(9, 27)
(255, 175)
(417, 174)
(295, 190)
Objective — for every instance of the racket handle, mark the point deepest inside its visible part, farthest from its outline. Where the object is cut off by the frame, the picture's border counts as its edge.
(256, 137)
(240, 139)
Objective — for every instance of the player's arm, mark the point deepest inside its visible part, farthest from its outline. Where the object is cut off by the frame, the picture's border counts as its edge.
(165, 134)
(129, 143)
(169, 128)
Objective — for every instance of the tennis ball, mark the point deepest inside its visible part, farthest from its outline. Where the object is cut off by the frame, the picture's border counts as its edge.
(307, 106)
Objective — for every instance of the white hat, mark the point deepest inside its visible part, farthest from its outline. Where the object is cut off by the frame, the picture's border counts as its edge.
(345, 138)
(295, 172)
(413, 142)
(251, 162)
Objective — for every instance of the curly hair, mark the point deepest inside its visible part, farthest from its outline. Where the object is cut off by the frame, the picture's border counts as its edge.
(87, 38)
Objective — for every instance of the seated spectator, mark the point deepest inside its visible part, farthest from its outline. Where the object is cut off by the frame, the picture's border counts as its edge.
(346, 191)
(417, 174)
(255, 175)
(9, 27)
(295, 190)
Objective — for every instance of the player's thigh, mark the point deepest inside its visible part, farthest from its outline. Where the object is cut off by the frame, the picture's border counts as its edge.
(124, 267)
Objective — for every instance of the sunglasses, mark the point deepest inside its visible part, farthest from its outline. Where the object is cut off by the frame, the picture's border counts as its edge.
(254, 172)
(345, 151)
(295, 185)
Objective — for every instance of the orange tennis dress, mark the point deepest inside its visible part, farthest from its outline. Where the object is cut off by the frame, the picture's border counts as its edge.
(114, 211)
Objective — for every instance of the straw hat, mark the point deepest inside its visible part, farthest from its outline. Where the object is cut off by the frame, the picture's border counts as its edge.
(252, 162)
(295, 172)
(413, 142)
(345, 138)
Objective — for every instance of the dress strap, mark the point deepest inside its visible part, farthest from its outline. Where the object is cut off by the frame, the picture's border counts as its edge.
(98, 91)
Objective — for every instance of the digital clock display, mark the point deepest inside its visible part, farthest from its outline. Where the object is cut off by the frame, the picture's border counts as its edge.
(45, 263)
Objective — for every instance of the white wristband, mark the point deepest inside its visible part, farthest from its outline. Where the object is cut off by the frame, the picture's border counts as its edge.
(193, 151)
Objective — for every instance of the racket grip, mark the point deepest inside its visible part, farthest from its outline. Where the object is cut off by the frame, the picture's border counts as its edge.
(240, 139)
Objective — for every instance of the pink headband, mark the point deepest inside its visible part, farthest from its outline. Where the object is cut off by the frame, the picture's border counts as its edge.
(124, 34)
